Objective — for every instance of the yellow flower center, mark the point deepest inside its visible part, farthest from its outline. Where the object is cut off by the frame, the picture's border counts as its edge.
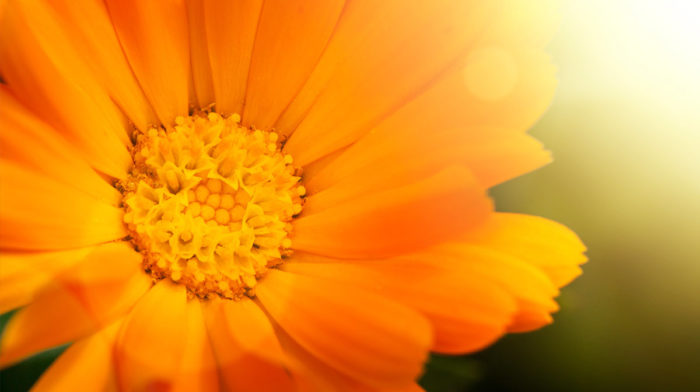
(209, 203)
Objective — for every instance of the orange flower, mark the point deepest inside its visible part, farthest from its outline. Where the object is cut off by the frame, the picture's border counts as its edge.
(269, 196)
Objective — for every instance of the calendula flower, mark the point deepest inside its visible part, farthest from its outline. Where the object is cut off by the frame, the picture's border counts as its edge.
(269, 196)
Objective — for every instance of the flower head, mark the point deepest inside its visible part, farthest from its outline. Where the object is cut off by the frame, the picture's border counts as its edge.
(241, 195)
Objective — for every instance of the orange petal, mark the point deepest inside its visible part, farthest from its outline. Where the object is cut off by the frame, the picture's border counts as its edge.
(44, 70)
(247, 351)
(529, 286)
(27, 140)
(454, 285)
(312, 374)
(531, 316)
(342, 100)
(369, 69)
(155, 38)
(410, 388)
(198, 369)
(90, 29)
(319, 166)
(82, 300)
(524, 23)
(409, 160)
(448, 124)
(394, 221)
(199, 54)
(365, 336)
(466, 311)
(545, 244)
(37, 212)
(86, 365)
(290, 38)
(231, 28)
(24, 274)
(163, 344)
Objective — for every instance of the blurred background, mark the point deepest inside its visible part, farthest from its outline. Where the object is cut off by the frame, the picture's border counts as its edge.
(624, 129)
(625, 133)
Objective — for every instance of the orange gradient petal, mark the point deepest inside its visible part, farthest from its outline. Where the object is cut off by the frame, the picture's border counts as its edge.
(524, 23)
(39, 213)
(78, 302)
(448, 124)
(490, 162)
(87, 364)
(545, 244)
(199, 55)
(247, 351)
(230, 29)
(532, 290)
(362, 335)
(466, 311)
(27, 140)
(88, 25)
(44, 70)
(290, 38)
(394, 221)
(24, 274)
(163, 344)
(155, 38)
(342, 101)
(406, 160)
(313, 375)
(362, 75)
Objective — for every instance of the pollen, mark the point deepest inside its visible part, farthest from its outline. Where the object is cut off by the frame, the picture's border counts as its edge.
(209, 203)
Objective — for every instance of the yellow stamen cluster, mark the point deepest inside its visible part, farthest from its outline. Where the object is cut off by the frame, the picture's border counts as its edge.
(209, 203)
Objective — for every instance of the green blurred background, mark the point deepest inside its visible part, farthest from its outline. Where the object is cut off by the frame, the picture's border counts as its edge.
(625, 133)
(624, 130)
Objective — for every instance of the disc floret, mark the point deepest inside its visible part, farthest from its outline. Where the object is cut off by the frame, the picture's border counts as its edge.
(209, 203)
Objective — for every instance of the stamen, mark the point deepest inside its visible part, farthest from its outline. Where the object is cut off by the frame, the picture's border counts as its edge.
(209, 202)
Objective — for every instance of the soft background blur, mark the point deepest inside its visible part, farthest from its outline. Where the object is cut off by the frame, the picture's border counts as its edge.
(625, 133)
